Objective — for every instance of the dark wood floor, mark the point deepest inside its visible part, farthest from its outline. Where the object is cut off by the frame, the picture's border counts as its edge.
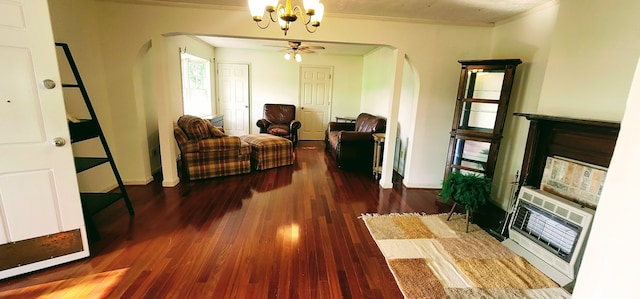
(289, 232)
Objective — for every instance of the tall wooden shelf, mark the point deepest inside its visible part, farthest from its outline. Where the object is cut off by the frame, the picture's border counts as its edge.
(88, 129)
(484, 91)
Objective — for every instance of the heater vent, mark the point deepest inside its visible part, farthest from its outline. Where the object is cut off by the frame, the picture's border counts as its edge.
(552, 228)
(549, 206)
(575, 217)
(563, 212)
(551, 232)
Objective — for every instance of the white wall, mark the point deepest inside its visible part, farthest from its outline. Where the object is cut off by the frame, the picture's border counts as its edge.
(527, 37)
(276, 80)
(438, 71)
(377, 82)
(591, 63)
(144, 90)
(408, 98)
(90, 65)
(610, 263)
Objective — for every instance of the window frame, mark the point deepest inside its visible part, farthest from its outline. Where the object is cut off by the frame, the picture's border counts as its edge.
(188, 103)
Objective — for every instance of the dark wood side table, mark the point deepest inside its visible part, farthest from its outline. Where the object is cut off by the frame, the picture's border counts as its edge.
(217, 121)
(345, 119)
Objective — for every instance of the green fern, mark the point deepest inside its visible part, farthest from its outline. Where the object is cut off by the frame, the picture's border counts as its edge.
(469, 190)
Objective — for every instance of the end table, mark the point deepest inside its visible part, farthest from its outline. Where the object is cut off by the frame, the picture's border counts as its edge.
(378, 138)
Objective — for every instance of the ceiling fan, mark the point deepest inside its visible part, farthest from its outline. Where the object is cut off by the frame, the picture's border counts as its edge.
(296, 47)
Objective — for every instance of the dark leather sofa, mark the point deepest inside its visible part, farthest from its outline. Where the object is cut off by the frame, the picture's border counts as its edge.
(351, 144)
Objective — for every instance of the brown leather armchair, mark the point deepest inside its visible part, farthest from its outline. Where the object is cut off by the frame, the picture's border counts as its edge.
(280, 120)
(351, 144)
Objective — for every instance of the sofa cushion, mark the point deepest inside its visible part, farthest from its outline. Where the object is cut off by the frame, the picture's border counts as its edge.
(194, 127)
(279, 113)
(278, 130)
(370, 123)
(214, 131)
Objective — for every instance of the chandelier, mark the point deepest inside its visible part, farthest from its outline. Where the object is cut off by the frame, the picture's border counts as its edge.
(311, 14)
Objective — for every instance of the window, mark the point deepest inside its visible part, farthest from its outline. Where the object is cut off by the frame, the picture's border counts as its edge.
(196, 86)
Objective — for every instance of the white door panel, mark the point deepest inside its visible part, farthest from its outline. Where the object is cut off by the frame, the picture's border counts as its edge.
(19, 96)
(233, 95)
(315, 101)
(313, 121)
(38, 203)
(39, 197)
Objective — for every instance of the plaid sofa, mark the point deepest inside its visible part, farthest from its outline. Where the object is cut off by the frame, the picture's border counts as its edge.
(207, 152)
(268, 151)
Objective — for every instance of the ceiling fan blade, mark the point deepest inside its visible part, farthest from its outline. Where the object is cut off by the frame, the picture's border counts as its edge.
(314, 47)
(274, 46)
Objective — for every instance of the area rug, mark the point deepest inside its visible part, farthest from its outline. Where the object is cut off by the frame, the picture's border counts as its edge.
(431, 257)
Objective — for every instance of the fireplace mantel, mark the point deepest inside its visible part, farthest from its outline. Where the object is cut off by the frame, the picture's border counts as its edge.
(590, 141)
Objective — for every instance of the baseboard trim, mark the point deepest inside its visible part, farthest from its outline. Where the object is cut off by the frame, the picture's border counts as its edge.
(416, 185)
(139, 182)
(170, 183)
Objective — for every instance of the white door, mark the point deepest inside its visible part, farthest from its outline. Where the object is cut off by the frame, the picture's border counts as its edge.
(41, 223)
(315, 101)
(233, 95)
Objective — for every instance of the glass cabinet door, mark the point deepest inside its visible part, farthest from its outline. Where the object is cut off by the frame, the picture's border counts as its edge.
(478, 116)
(484, 84)
(483, 96)
(471, 154)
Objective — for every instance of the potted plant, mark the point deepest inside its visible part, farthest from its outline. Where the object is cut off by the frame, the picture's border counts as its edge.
(467, 189)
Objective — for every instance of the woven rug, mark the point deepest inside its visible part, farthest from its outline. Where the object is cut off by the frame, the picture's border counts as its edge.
(431, 257)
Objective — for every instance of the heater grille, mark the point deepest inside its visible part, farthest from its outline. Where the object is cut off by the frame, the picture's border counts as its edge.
(551, 232)
(551, 228)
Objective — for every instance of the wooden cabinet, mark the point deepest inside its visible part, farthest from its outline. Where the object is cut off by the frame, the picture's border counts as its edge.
(483, 97)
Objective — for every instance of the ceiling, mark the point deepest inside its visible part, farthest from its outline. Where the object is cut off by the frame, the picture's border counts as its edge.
(475, 12)
(471, 12)
(282, 45)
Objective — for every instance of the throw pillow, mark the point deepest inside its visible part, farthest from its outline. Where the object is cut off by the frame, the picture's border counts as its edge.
(215, 132)
(278, 130)
(194, 127)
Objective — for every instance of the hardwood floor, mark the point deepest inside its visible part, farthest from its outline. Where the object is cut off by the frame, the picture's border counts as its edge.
(289, 232)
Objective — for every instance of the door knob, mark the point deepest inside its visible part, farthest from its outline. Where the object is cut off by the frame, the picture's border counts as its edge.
(49, 84)
(59, 141)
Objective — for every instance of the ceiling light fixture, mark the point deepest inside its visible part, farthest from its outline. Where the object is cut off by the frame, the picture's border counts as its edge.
(311, 14)
(295, 55)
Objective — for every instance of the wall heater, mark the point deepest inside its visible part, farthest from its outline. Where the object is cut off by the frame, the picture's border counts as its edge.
(550, 232)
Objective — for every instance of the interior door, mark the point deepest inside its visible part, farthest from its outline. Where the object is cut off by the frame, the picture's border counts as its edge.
(233, 95)
(41, 222)
(315, 101)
